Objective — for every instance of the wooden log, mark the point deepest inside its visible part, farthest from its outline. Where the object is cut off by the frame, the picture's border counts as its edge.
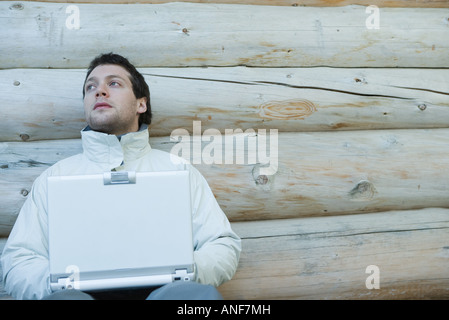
(308, 3)
(47, 104)
(44, 35)
(20, 165)
(3, 294)
(41, 104)
(315, 174)
(327, 257)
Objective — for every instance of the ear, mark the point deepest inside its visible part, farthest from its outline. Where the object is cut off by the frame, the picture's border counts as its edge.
(142, 105)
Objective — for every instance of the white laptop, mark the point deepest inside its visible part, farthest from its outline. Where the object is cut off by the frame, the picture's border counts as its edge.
(119, 230)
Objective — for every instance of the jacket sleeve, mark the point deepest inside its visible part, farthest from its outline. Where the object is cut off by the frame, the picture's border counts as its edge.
(217, 247)
(25, 256)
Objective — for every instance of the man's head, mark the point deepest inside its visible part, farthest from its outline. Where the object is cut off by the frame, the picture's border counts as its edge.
(116, 96)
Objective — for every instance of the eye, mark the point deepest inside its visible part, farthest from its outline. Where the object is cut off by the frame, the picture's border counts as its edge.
(89, 87)
(114, 83)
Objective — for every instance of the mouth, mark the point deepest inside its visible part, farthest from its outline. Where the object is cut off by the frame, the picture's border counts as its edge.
(102, 105)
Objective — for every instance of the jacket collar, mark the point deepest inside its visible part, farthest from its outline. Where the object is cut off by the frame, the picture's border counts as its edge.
(114, 151)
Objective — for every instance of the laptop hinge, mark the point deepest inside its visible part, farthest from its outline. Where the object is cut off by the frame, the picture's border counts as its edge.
(119, 177)
(67, 283)
(181, 275)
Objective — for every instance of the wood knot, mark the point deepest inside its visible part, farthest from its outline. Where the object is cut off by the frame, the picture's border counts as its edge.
(363, 191)
(262, 179)
(287, 109)
(422, 107)
(24, 192)
(24, 137)
(16, 6)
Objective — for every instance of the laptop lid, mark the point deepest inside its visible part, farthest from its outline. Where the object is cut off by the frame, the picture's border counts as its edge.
(119, 229)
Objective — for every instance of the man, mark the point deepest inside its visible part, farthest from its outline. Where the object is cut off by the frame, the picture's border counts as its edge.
(118, 111)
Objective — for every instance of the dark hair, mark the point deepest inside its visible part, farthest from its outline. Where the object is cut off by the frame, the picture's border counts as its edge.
(140, 87)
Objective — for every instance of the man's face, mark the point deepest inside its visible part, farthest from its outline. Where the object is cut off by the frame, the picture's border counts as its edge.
(110, 105)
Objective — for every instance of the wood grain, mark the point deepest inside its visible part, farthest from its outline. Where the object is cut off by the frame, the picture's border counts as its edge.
(316, 174)
(199, 34)
(308, 3)
(327, 257)
(47, 104)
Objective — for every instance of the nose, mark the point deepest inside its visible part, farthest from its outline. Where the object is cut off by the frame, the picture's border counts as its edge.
(101, 91)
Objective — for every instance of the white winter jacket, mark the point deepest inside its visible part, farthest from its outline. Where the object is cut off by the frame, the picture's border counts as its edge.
(25, 256)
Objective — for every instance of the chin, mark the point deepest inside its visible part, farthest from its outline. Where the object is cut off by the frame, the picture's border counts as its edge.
(101, 127)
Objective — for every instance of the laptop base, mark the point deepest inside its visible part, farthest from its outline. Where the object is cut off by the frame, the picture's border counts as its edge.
(72, 282)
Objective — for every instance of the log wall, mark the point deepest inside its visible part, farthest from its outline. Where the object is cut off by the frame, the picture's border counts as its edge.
(189, 34)
(359, 116)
